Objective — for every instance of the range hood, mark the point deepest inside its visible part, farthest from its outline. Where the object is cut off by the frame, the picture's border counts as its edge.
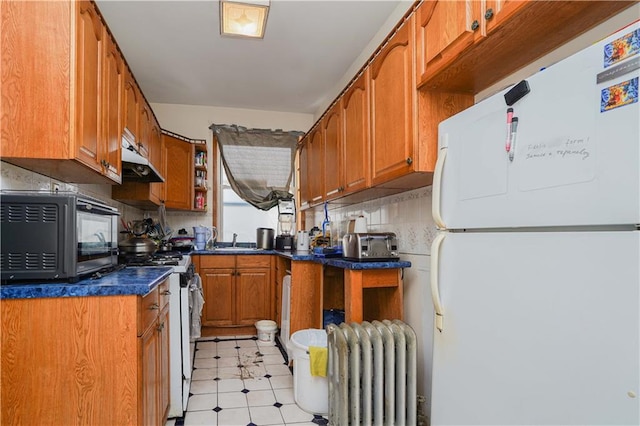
(136, 168)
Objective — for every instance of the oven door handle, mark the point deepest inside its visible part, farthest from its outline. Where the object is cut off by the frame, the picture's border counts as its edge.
(96, 208)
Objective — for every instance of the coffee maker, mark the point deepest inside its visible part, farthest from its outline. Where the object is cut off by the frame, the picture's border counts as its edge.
(286, 224)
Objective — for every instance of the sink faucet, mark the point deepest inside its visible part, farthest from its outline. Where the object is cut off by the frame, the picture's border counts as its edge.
(233, 244)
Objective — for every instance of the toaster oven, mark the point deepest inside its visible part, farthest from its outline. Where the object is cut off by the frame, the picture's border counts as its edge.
(370, 246)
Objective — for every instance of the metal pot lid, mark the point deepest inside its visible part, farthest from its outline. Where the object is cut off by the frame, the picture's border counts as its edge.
(138, 244)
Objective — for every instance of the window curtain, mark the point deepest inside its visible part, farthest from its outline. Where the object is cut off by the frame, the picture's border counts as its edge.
(259, 162)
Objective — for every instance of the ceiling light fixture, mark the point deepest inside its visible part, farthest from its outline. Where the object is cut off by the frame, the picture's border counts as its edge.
(243, 19)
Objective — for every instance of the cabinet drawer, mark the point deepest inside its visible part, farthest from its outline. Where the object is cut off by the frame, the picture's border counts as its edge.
(253, 261)
(148, 311)
(218, 261)
(163, 294)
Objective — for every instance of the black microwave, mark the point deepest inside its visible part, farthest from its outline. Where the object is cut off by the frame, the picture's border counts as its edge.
(55, 236)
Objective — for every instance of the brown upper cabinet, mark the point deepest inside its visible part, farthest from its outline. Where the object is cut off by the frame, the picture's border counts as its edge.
(303, 171)
(354, 105)
(113, 107)
(465, 47)
(158, 159)
(346, 138)
(393, 107)
(131, 101)
(91, 44)
(57, 92)
(174, 157)
(315, 166)
(446, 28)
(144, 130)
(178, 183)
(331, 133)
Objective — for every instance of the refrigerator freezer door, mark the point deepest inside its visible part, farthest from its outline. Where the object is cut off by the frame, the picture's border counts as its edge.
(541, 329)
(576, 160)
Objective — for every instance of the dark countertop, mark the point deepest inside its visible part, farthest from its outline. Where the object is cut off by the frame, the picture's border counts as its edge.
(129, 281)
(337, 262)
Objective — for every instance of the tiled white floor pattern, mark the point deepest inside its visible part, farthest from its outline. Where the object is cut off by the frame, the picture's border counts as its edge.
(240, 381)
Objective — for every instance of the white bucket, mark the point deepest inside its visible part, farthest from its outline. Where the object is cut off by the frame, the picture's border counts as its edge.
(266, 331)
(311, 393)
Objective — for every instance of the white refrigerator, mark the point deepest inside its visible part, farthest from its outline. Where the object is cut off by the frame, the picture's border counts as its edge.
(535, 273)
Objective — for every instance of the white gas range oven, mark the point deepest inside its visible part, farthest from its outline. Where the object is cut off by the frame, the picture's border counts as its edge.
(182, 285)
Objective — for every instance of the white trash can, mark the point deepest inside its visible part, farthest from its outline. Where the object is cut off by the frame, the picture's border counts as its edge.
(266, 331)
(311, 393)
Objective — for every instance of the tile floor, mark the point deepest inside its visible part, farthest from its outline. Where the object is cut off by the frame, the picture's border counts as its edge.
(238, 380)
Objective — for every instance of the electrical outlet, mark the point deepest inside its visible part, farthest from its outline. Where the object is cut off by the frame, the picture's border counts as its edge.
(55, 187)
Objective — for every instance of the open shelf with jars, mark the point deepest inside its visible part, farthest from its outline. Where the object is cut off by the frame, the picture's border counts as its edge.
(200, 176)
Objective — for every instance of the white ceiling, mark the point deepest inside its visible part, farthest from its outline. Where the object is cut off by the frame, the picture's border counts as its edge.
(177, 55)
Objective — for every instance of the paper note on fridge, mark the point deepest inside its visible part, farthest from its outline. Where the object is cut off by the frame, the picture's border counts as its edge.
(557, 142)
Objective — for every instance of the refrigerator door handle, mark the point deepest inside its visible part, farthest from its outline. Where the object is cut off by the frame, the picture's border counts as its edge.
(435, 292)
(437, 186)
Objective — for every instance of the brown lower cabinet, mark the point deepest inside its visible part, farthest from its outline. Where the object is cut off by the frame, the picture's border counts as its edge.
(96, 360)
(238, 291)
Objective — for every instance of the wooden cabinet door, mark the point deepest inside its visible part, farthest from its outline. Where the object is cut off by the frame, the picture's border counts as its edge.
(179, 173)
(35, 93)
(144, 129)
(253, 295)
(90, 39)
(443, 30)
(163, 379)
(497, 11)
(303, 173)
(315, 166)
(149, 384)
(331, 132)
(131, 105)
(356, 169)
(113, 117)
(219, 296)
(157, 158)
(393, 107)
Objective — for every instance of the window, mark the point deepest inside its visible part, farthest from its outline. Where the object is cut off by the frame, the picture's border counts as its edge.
(258, 171)
(236, 215)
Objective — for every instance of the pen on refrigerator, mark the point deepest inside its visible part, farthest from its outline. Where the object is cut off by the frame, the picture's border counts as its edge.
(509, 120)
(514, 132)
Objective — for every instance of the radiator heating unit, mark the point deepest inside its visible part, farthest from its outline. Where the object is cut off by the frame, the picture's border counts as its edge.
(372, 373)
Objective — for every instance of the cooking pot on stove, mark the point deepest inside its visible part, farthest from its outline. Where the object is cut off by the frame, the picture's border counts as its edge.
(137, 246)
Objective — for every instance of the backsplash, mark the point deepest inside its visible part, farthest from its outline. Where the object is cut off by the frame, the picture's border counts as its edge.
(16, 178)
(408, 215)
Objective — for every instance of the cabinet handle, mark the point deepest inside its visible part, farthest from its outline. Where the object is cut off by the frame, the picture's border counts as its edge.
(160, 327)
(488, 14)
(154, 307)
(167, 293)
(475, 25)
(409, 160)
